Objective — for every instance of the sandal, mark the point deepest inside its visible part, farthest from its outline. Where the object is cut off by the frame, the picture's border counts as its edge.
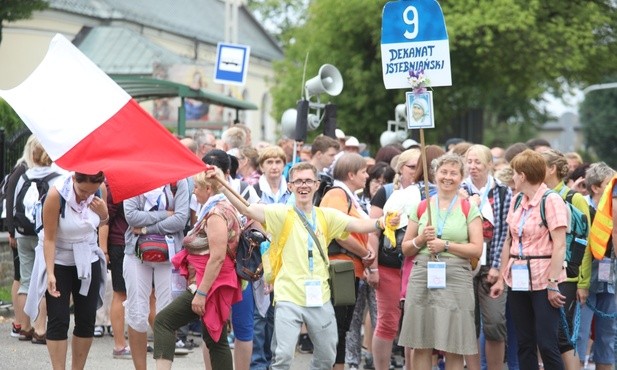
(99, 331)
(39, 339)
(26, 335)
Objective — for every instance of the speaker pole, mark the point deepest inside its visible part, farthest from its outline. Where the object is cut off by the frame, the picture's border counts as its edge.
(329, 128)
(302, 120)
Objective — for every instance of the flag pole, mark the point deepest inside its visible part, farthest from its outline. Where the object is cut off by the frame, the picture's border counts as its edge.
(231, 190)
(427, 195)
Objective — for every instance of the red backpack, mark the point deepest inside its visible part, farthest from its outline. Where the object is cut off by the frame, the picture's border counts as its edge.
(465, 206)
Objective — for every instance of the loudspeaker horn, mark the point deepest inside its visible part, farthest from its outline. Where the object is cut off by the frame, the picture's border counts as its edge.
(400, 113)
(288, 123)
(328, 80)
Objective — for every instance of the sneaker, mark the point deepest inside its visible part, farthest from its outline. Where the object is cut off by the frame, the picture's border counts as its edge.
(149, 349)
(368, 363)
(124, 353)
(26, 335)
(353, 367)
(181, 348)
(15, 329)
(110, 331)
(99, 331)
(38, 339)
(395, 363)
(304, 344)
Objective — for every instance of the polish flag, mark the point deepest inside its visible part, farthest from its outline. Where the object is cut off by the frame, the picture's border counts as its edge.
(87, 123)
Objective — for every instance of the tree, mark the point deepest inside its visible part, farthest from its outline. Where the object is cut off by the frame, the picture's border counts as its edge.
(9, 120)
(279, 17)
(505, 54)
(598, 115)
(14, 10)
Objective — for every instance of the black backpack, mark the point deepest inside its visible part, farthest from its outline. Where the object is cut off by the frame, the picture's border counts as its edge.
(23, 223)
(4, 187)
(41, 202)
(326, 182)
(248, 254)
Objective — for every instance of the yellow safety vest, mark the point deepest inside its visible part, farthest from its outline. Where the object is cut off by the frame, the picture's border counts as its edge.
(602, 226)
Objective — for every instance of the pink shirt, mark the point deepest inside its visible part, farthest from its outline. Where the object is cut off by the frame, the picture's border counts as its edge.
(536, 238)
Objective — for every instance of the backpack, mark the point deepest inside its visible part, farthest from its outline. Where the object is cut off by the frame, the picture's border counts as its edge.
(334, 247)
(248, 254)
(326, 182)
(465, 206)
(38, 210)
(4, 187)
(26, 200)
(576, 233)
(387, 254)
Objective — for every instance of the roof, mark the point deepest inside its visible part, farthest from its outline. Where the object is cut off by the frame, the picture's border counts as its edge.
(147, 88)
(194, 19)
(119, 50)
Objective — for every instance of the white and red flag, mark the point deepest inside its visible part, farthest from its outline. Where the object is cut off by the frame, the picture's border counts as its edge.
(87, 123)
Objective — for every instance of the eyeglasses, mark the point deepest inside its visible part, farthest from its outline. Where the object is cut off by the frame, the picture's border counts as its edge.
(301, 182)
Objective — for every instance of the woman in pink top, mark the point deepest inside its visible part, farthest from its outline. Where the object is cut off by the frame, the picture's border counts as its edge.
(533, 257)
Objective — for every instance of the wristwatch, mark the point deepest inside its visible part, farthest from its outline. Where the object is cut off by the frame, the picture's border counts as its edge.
(144, 231)
(445, 247)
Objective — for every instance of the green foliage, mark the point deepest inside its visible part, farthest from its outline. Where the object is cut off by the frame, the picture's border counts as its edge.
(5, 294)
(505, 54)
(598, 115)
(14, 10)
(9, 120)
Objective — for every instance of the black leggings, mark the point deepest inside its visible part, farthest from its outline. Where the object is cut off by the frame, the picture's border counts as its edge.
(58, 314)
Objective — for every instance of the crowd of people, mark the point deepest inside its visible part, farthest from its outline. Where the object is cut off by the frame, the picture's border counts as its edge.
(460, 256)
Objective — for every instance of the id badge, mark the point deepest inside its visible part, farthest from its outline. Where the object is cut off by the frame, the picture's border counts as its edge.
(178, 282)
(171, 246)
(484, 252)
(436, 275)
(312, 291)
(520, 278)
(605, 271)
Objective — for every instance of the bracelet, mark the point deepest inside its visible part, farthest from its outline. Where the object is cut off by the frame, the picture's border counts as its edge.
(372, 270)
(378, 225)
(104, 220)
(413, 241)
(553, 289)
(553, 280)
(201, 293)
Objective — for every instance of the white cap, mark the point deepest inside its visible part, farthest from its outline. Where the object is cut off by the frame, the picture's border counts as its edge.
(409, 143)
(352, 141)
(339, 133)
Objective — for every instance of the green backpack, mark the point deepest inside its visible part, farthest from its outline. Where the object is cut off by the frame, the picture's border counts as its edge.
(576, 233)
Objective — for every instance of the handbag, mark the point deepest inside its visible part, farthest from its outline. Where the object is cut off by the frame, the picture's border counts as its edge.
(152, 248)
(342, 279)
(391, 255)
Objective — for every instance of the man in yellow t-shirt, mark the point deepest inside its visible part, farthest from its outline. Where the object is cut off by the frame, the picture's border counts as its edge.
(301, 291)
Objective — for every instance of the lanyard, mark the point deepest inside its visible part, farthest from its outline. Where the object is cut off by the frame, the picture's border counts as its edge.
(310, 240)
(441, 223)
(521, 224)
(487, 189)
